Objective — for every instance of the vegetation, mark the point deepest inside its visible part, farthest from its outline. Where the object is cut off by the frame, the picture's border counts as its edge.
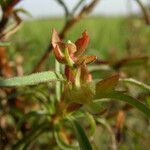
(102, 31)
(89, 90)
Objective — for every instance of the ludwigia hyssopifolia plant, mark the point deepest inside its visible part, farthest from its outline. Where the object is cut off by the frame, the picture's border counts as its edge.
(66, 117)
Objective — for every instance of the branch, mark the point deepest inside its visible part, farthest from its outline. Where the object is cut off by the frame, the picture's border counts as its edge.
(61, 2)
(145, 12)
(7, 9)
(77, 6)
(13, 28)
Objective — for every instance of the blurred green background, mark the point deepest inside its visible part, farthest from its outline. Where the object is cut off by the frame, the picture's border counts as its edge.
(118, 35)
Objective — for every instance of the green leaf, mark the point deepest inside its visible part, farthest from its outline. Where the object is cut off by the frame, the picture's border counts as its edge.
(32, 79)
(106, 85)
(96, 106)
(62, 144)
(137, 83)
(92, 123)
(78, 114)
(132, 101)
(81, 136)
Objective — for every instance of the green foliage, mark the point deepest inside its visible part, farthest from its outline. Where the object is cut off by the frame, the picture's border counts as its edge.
(74, 96)
(81, 136)
(32, 79)
(120, 96)
(76, 103)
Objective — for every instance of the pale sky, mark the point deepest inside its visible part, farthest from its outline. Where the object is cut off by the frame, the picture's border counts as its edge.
(44, 8)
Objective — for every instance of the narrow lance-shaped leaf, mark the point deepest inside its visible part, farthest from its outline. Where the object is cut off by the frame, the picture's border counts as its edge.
(132, 101)
(32, 79)
(92, 123)
(81, 136)
(137, 83)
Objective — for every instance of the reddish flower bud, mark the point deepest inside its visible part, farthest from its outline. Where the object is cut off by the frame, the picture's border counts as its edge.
(55, 38)
(82, 43)
(85, 59)
(69, 74)
(84, 73)
(59, 55)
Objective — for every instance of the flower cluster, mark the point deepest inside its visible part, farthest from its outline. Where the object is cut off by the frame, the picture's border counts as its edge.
(70, 54)
(78, 88)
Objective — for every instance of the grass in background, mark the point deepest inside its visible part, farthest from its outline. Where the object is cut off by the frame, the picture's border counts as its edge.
(106, 33)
